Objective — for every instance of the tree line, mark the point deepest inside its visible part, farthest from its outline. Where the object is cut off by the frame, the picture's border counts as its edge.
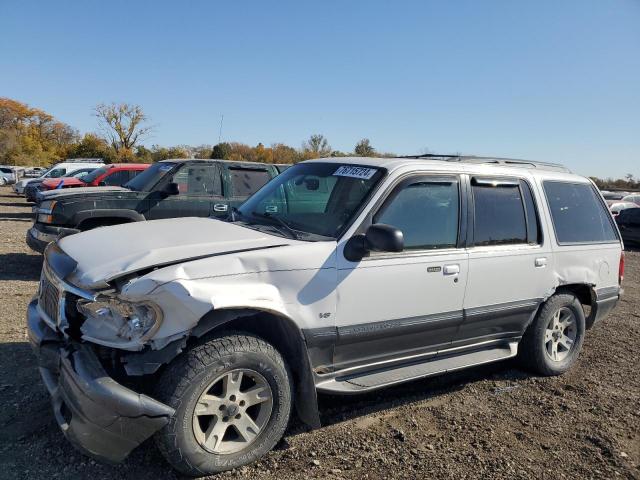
(30, 136)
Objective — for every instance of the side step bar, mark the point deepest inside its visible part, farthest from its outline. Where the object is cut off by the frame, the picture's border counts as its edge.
(380, 378)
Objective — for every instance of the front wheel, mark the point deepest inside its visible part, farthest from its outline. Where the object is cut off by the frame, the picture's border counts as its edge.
(232, 397)
(553, 341)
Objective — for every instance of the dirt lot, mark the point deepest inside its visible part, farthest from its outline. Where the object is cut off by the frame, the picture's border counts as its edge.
(490, 422)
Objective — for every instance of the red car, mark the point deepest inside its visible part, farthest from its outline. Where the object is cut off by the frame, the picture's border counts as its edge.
(115, 174)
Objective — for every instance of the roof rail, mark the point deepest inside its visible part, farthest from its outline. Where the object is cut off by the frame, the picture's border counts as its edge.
(505, 162)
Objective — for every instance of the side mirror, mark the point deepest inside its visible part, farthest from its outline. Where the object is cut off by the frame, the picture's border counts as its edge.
(172, 189)
(378, 238)
(384, 238)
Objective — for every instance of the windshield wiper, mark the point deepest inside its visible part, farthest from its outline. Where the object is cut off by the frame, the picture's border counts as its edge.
(274, 219)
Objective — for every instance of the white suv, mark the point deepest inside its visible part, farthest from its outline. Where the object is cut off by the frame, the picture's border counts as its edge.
(58, 170)
(340, 275)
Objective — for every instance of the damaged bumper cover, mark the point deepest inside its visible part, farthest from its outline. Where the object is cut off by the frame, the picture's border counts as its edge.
(99, 416)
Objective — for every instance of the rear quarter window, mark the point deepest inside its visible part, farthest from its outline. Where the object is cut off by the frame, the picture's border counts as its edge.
(578, 214)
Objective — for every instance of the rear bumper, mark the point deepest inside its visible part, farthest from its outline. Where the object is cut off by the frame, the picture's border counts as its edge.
(606, 300)
(100, 417)
(40, 235)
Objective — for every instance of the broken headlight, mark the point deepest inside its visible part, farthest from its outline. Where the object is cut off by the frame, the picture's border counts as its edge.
(112, 321)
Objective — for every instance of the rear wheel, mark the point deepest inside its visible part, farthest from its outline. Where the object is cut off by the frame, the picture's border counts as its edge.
(232, 397)
(552, 343)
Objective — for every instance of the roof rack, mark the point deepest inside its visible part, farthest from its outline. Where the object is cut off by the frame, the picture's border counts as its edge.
(505, 162)
(83, 160)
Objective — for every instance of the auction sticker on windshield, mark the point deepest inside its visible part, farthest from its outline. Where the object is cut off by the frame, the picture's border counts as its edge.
(355, 172)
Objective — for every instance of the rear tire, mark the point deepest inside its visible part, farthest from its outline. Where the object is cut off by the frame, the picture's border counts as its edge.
(232, 395)
(552, 343)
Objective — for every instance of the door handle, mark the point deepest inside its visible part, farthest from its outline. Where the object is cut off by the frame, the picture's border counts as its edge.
(451, 269)
(541, 262)
(220, 207)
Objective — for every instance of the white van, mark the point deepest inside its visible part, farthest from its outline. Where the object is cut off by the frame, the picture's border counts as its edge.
(340, 275)
(58, 170)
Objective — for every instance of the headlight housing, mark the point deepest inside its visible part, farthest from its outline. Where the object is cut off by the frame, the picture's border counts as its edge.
(45, 211)
(115, 322)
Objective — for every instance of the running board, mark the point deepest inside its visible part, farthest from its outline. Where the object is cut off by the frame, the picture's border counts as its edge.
(379, 378)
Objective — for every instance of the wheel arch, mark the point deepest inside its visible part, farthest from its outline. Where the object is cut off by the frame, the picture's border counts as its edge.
(281, 332)
(586, 295)
(96, 217)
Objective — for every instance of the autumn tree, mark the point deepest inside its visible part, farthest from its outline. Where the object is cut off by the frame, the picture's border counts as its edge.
(30, 136)
(123, 125)
(221, 151)
(285, 154)
(364, 148)
(92, 146)
(316, 146)
(201, 151)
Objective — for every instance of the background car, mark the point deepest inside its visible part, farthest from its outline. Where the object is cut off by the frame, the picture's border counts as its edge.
(167, 189)
(613, 197)
(116, 174)
(7, 176)
(34, 172)
(35, 186)
(629, 224)
(633, 198)
(58, 170)
(618, 207)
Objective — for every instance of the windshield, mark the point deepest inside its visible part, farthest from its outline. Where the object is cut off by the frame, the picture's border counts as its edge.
(146, 180)
(90, 177)
(312, 198)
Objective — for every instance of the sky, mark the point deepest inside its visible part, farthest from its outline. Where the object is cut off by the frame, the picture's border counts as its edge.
(546, 80)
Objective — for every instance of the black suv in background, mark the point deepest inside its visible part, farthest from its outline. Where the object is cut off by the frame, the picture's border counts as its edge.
(167, 189)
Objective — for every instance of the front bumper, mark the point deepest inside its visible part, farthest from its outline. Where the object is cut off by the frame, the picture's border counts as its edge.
(19, 189)
(96, 414)
(41, 235)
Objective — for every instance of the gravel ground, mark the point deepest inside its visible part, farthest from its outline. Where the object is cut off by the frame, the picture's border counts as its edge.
(495, 421)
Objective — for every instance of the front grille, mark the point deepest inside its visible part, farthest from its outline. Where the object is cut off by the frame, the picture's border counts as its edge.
(49, 299)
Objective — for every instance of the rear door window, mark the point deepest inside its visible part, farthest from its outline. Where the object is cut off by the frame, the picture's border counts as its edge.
(117, 178)
(578, 214)
(499, 212)
(246, 182)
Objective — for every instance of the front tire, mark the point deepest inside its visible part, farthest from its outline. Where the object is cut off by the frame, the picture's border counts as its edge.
(552, 343)
(232, 395)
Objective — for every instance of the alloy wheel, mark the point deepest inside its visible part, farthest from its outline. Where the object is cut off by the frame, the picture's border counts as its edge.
(560, 334)
(232, 411)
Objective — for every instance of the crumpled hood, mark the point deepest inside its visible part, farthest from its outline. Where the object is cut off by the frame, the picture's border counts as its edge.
(109, 252)
(57, 194)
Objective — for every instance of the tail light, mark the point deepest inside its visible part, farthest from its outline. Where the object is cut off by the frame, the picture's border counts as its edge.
(621, 269)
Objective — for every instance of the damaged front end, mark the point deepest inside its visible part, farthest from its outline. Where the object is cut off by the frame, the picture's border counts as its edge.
(99, 415)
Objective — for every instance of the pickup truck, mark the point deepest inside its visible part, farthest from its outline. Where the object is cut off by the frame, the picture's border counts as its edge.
(167, 189)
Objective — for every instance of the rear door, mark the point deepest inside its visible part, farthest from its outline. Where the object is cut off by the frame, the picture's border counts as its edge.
(509, 260)
(200, 188)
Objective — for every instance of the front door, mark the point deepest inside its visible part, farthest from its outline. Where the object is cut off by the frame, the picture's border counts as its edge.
(200, 194)
(393, 305)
